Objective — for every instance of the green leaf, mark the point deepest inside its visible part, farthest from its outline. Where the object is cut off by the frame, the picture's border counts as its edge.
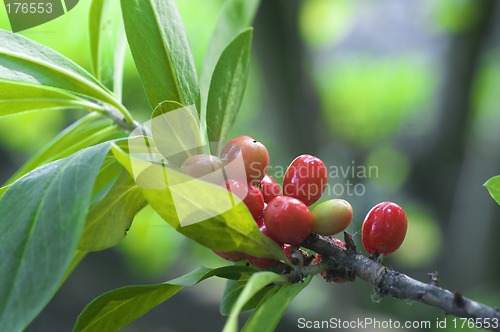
(235, 16)
(268, 314)
(176, 132)
(232, 292)
(41, 220)
(161, 51)
(109, 220)
(21, 59)
(255, 284)
(204, 212)
(88, 131)
(96, 23)
(18, 97)
(117, 308)
(493, 186)
(228, 87)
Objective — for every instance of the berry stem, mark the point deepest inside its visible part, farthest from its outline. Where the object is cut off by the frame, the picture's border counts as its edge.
(390, 282)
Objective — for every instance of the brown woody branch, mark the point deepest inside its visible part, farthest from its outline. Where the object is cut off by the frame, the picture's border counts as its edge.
(398, 285)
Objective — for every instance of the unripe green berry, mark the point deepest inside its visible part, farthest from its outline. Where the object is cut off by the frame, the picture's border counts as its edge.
(331, 217)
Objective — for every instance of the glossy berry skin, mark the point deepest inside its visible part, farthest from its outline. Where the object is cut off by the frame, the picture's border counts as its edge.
(264, 230)
(249, 194)
(288, 220)
(305, 179)
(269, 188)
(201, 164)
(255, 157)
(233, 256)
(331, 217)
(384, 228)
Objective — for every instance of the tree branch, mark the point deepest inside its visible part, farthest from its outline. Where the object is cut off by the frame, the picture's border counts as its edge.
(390, 282)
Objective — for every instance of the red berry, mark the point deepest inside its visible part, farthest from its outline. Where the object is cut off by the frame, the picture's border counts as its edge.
(201, 165)
(249, 194)
(254, 154)
(384, 228)
(288, 220)
(331, 217)
(288, 250)
(305, 179)
(264, 230)
(233, 256)
(269, 188)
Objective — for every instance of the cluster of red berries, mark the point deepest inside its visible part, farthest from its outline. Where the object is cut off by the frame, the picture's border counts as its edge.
(282, 212)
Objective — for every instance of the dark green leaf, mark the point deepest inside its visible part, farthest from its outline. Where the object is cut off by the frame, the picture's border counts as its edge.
(41, 220)
(235, 16)
(228, 87)
(233, 290)
(21, 59)
(115, 309)
(493, 186)
(109, 220)
(254, 285)
(18, 97)
(88, 131)
(268, 314)
(161, 51)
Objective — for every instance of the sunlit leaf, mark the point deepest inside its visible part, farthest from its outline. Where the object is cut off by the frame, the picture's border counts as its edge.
(41, 219)
(18, 97)
(235, 16)
(161, 51)
(88, 131)
(117, 308)
(24, 60)
(228, 87)
(204, 212)
(493, 186)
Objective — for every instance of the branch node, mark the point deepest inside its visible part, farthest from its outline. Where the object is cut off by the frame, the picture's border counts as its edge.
(434, 276)
(458, 299)
(349, 243)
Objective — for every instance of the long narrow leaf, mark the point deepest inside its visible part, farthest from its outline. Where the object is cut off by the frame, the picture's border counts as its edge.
(95, 29)
(88, 131)
(268, 314)
(117, 308)
(161, 51)
(228, 87)
(24, 60)
(254, 285)
(235, 16)
(18, 97)
(41, 221)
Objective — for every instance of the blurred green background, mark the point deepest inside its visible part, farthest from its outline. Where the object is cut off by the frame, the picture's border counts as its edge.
(410, 89)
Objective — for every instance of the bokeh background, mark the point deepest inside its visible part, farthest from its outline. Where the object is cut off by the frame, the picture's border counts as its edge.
(409, 88)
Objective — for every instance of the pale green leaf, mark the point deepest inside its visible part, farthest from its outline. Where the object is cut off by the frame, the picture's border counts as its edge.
(88, 131)
(24, 60)
(41, 219)
(228, 87)
(18, 97)
(161, 51)
(493, 186)
(235, 16)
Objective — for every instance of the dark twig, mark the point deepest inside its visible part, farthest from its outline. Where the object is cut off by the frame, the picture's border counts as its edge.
(399, 285)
